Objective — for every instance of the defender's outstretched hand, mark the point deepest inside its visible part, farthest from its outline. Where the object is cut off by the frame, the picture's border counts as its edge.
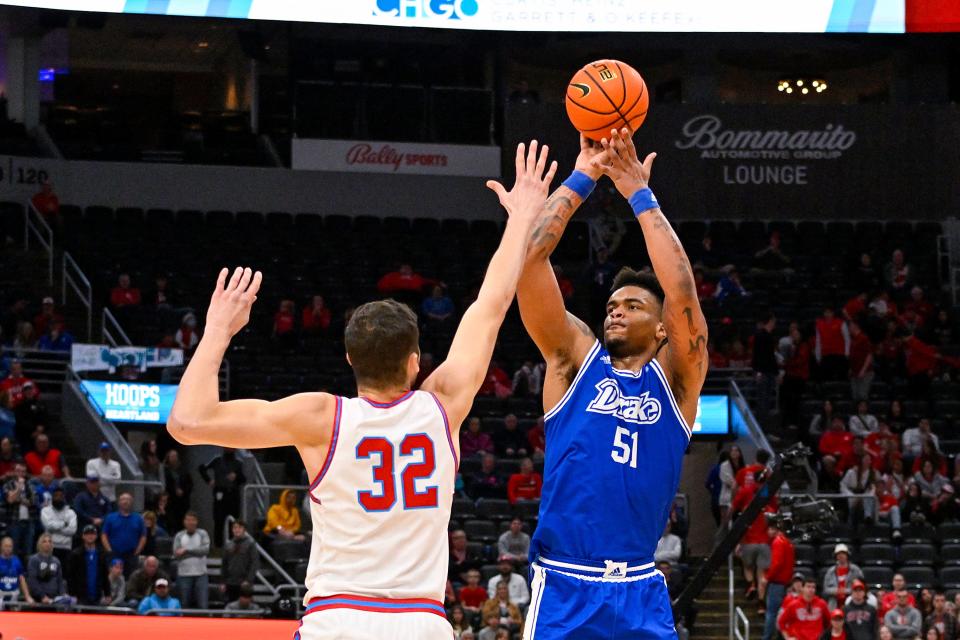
(529, 192)
(619, 161)
(230, 303)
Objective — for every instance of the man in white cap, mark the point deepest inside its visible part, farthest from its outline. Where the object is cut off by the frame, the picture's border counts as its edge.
(107, 470)
(839, 579)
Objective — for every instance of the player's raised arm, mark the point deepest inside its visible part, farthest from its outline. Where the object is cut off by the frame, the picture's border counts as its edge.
(685, 360)
(562, 338)
(458, 379)
(198, 416)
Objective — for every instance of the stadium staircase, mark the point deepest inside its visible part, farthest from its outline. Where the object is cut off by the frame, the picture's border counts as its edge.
(713, 609)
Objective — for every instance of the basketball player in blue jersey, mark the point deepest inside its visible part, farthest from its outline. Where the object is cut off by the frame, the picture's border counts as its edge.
(618, 416)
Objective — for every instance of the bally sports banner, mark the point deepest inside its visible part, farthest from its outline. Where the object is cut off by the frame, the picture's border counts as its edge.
(395, 157)
(784, 16)
(760, 161)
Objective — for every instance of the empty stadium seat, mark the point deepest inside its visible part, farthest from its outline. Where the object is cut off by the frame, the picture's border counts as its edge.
(917, 554)
(876, 554)
(804, 555)
(878, 577)
(481, 530)
(950, 554)
(919, 577)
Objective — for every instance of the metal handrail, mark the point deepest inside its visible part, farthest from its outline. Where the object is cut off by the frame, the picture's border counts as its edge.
(109, 325)
(752, 426)
(43, 367)
(741, 617)
(208, 613)
(275, 590)
(731, 595)
(74, 276)
(43, 233)
(67, 608)
(260, 486)
(136, 483)
(841, 496)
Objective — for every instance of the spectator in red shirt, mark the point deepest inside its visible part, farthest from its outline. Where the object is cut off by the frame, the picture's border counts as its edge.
(13, 384)
(923, 361)
(8, 458)
(187, 336)
(838, 629)
(919, 305)
(316, 317)
(124, 295)
(898, 274)
(796, 372)
(537, 439)
(497, 384)
(525, 485)
(42, 455)
(473, 441)
(750, 471)
(46, 202)
(405, 285)
(778, 576)
(832, 346)
(889, 599)
(705, 289)
(855, 307)
(861, 363)
(754, 548)
(472, 595)
(836, 440)
(804, 618)
(285, 324)
(854, 456)
(48, 315)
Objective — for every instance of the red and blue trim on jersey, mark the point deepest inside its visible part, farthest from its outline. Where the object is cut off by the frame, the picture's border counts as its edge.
(392, 403)
(446, 424)
(330, 451)
(376, 605)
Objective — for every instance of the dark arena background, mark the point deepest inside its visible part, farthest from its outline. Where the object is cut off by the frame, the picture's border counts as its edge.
(808, 159)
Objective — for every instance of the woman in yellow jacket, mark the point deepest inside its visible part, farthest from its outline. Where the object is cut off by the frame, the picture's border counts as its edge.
(283, 518)
(501, 608)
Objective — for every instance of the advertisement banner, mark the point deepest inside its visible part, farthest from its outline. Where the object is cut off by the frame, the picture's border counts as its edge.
(395, 157)
(785, 16)
(57, 626)
(781, 162)
(131, 401)
(713, 416)
(100, 357)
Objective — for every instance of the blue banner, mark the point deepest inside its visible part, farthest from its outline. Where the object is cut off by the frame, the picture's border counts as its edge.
(131, 401)
(713, 416)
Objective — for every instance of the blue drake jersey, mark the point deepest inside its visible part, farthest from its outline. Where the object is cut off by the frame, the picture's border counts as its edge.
(615, 447)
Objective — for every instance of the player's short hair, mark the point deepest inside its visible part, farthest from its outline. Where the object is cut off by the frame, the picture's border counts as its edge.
(379, 338)
(628, 277)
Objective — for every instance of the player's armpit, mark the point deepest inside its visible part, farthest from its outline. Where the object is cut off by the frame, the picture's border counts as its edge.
(296, 420)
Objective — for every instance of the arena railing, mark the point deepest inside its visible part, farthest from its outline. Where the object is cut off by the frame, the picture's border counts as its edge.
(741, 619)
(46, 368)
(135, 487)
(839, 496)
(34, 225)
(74, 277)
(113, 334)
(289, 584)
(209, 613)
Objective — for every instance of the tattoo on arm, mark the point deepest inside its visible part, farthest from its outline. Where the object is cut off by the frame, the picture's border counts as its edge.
(549, 229)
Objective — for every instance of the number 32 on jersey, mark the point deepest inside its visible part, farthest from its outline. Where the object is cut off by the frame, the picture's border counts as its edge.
(418, 448)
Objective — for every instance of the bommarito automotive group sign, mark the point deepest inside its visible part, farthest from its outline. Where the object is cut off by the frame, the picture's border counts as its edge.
(763, 156)
(765, 161)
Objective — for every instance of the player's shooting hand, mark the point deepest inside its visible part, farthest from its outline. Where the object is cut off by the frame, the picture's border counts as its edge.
(231, 301)
(589, 150)
(619, 161)
(529, 193)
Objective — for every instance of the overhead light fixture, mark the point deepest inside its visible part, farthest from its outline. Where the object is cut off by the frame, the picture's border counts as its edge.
(801, 85)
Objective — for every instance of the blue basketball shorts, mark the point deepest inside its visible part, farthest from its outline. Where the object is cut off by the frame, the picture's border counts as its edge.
(570, 600)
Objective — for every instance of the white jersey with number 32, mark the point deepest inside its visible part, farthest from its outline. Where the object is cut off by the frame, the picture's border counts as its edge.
(381, 503)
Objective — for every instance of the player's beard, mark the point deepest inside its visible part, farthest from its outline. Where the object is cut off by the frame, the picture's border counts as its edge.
(618, 347)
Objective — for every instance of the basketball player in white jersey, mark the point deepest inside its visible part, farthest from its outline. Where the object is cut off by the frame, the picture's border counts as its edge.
(384, 462)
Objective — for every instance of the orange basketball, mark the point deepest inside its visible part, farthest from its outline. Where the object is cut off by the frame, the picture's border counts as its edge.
(605, 95)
